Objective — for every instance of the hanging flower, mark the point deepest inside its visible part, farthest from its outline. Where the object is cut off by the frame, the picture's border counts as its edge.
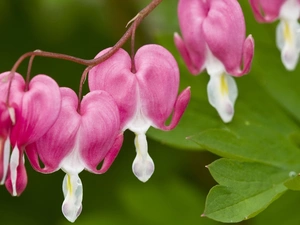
(27, 115)
(213, 38)
(7, 120)
(81, 138)
(288, 29)
(145, 97)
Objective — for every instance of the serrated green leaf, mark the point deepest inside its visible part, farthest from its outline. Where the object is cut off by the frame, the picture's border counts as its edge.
(244, 190)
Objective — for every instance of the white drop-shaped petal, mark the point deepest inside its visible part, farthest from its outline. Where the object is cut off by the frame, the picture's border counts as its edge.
(288, 42)
(143, 166)
(72, 189)
(222, 94)
(6, 153)
(14, 163)
(288, 34)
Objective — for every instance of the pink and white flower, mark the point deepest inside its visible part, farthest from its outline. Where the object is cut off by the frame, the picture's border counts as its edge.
(213, 38)
(288, 29)
(27, 115)
(81, 138)
(145, 98)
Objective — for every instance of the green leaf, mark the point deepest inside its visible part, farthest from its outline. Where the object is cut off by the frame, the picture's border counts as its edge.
(294, 183)
(244, 190)
(283, 211)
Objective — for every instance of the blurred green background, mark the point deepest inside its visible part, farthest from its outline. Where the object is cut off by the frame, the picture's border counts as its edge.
(176, 192)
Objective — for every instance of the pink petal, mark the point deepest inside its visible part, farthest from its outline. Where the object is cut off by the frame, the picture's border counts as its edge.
(224, 32)
(179, 108)
(248, 53)
(38, 111)
(191, 14)
(16, 181)
(100, 125)
(266, 11)
(59, 141)
(15, 96)
(114, 76)
(5, 121)
(110, 156)
(158, 81)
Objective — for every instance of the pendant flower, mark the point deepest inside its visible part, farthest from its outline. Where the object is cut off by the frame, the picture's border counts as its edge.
(80, 139)
(288, 29)
(30, 112)
(7, 120)
(145, 98)
(213, 38)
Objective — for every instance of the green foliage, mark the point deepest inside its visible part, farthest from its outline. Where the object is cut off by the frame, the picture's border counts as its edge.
(246, 188)
(261, 144)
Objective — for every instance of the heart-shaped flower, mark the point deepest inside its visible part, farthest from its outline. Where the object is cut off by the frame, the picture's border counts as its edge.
(145, 97)
(32, 109)
(81, 138)
(213, 38)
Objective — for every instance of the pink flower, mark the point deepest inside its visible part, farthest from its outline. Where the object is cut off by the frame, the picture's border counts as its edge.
(30, 112)
(288, 29)
(7, 120)
(79, 139)
(145, 98)
(213, 34)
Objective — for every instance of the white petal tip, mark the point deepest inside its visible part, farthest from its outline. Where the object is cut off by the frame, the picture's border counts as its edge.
(143, 169)
(226, 113)
(289, 60)
(70, 213)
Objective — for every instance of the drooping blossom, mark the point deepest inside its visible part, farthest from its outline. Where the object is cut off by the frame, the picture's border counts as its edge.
(27, 115)
(213, 38)
(80, 139)
(7, 120)
(288, 29)
(145, 97)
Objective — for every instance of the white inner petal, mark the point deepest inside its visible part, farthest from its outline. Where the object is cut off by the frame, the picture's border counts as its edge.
(72, 163)
(221, 89)
(139, 123)
(14, 163)
(288, 42)
(12, 114)
(72, 189)
(214, 66)
(143, 166)
(222, 93)
(290, 10)
(6, 153)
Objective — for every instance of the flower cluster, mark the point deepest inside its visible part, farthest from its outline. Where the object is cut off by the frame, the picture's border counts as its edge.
(54, 128)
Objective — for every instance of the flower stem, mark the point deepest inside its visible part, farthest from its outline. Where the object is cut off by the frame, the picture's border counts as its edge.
(87, 62)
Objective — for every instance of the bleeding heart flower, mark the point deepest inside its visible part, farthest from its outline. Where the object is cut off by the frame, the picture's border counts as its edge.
(288, 29)
(145, 98)
(213, 34)
(7, 120)
(30, 112)
(81, 138)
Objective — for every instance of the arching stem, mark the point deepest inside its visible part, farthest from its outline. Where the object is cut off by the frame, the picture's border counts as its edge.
(87, 62)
